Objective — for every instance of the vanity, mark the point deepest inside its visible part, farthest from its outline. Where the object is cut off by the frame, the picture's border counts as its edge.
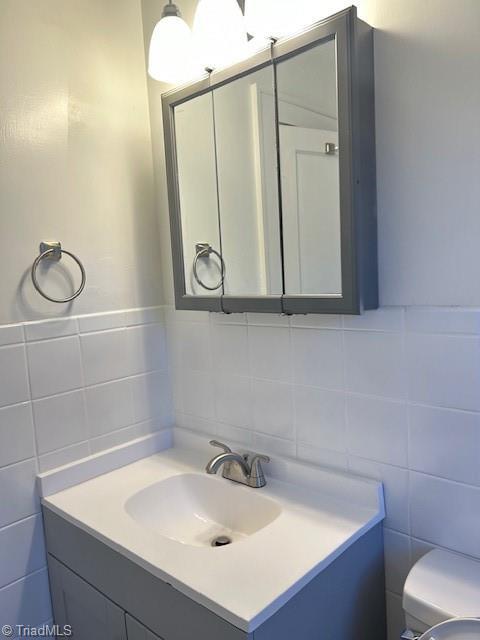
(132, 553)
(272, 180)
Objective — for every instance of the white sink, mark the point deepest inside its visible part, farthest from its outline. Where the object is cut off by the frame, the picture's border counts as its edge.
(162, 512)
(196, 509)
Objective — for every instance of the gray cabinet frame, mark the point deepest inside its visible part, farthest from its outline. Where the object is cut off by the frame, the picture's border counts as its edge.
(345, 601)
(356, 117)
(98, 618)
(136, 630)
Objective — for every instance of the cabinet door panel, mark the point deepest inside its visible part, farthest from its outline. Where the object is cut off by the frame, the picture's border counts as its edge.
(136, 631)
(169, 613)
(309, 156)
(90, 615)
(198, 200)
(245, 139)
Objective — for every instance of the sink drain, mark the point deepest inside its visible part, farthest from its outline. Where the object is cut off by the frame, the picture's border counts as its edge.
(221, 541)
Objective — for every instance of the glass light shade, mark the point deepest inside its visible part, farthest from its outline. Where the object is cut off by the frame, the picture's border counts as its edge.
(170, 57)
(219, 33)
(277, 18)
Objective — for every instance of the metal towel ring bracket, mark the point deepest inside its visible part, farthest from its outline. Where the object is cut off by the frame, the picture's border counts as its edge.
(203, 250)
(53, 251)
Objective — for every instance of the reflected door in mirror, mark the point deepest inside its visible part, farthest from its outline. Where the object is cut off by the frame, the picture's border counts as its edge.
(308, 137)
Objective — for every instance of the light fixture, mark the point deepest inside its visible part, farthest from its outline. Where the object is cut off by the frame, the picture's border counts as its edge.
(277, 18)
(219, 33)
(170, 57)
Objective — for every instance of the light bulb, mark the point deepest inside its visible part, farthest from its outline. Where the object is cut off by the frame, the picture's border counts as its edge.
(258, 18)
(219, 33)
(277, 18)
(170, 57)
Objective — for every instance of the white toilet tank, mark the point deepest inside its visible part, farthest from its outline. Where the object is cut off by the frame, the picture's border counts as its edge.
(440, 586)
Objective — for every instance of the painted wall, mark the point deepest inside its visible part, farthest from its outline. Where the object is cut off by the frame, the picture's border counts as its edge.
(393, 394)
(76, 166)
(75, 156)
(428, 134)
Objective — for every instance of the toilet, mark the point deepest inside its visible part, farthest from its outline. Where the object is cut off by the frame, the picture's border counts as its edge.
(441, 598)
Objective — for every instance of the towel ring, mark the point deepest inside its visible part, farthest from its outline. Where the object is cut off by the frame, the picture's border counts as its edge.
(53, 251)
(203, 250)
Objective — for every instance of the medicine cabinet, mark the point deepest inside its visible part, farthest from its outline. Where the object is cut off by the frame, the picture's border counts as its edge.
(271, 177)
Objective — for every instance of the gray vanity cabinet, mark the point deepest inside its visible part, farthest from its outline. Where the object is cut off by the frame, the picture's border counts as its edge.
(90, 614)
(136, 631)
(104, 595)
(116, 579)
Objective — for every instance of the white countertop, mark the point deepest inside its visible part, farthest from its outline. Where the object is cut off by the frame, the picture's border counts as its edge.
(323, 513)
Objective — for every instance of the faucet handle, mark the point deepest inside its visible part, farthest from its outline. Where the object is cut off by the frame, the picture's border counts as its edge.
(256, 477)
(220, 445)
(255, 466)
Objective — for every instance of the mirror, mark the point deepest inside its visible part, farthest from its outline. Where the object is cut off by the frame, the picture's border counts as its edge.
(245, 137)
(271, 177)
(197, 189)
(309, 161)
(227, 163)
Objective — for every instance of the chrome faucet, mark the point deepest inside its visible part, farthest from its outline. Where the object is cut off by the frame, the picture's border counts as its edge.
(246, 469)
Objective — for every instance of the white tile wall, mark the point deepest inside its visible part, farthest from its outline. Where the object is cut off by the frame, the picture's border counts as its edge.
(445, 443)
(27, 601)
(11, 334)
(393, 394)
(377, 429)
(22, 549)
(16, 434)
(273, 408)
(374, 363)
(109, 406)
(233, 400)
(397, 559)
(446, 513)
(13, 374)
(230, 349)
(444, 370)
(269, 352)
(60, 421)
(320, 417)
(317, 358)
(69, 388)
(46, 379)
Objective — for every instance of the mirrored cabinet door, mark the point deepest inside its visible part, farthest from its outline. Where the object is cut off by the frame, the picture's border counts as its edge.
(309, 160)
(245, 139)
(272, 177)
(197, 191)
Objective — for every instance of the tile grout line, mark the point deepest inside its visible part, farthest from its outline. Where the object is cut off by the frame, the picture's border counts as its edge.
(406, 383)
(25, 577)
(86, 413)
(346, 425)
(291, 363)
(32, 413)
